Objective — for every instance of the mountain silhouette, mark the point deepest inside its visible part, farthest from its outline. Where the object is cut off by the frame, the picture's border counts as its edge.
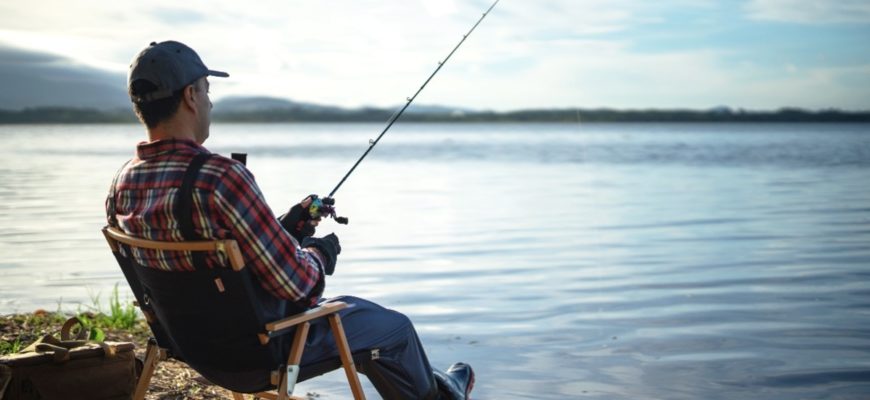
(34, 79)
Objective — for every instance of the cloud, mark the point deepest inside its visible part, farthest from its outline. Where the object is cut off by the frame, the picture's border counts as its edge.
(810, 11)
(559, 53)
(816, 88)
(601, 73)
(440, 7)
(175, 15)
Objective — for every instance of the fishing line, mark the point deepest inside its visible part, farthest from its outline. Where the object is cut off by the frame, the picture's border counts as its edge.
(399, 112)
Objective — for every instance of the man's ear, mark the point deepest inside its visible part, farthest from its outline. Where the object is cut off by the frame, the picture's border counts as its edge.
(188, 97)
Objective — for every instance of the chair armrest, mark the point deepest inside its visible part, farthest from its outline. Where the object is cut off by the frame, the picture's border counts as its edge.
(275, 327)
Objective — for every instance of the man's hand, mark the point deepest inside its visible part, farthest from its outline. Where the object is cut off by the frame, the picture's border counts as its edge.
(298, 221)
(328, 249)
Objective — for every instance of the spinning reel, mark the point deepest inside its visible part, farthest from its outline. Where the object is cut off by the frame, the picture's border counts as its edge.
(324, 207)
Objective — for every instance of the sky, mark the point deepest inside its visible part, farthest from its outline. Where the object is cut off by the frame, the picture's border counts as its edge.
(754, 54)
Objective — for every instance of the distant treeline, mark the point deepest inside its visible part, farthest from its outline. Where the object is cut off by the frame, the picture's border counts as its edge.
(75, 115)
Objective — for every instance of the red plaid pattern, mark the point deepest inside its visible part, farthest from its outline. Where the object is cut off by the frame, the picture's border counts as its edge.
(227, 204)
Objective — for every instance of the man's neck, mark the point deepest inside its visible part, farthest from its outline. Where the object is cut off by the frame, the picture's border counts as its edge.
(170, 130)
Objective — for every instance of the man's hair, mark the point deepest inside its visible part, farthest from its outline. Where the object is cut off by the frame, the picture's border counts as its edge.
(154, 112)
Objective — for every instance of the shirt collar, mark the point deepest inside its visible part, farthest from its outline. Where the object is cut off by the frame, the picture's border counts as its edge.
(147, 150)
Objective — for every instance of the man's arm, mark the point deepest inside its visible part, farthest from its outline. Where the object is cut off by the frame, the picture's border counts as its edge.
(283, 268)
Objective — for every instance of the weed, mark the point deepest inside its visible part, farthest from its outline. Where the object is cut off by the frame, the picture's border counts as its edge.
(120, 321)
(120, 315)
(10, 347)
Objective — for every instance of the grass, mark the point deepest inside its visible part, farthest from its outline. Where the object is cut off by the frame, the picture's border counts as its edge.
(17, 331)
(119, 315)
(120, 321)
(10, 347)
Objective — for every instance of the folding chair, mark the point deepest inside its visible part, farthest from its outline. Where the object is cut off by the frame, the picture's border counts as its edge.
(185, 310)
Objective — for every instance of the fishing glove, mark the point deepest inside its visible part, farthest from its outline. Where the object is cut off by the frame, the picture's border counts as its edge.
(329, 248)
(297, 222)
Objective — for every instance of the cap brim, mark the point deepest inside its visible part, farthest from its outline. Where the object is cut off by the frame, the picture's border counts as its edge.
(218, 73)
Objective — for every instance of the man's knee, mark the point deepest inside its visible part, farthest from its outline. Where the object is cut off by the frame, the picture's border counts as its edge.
(365, 319)
(369, 308)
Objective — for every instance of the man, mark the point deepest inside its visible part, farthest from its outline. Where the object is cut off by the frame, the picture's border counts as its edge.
(168, 84)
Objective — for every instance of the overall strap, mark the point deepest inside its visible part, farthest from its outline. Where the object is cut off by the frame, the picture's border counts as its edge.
(113, 191)
(184, 205)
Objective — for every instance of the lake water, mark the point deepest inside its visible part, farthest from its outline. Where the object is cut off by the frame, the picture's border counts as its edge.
(622, 261)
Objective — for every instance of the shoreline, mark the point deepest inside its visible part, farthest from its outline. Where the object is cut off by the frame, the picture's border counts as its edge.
(171, 380)
(71, 115)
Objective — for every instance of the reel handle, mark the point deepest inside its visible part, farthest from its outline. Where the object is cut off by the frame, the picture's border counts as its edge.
(329, 210)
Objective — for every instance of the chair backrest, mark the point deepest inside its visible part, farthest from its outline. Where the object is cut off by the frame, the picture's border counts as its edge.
(210, 318)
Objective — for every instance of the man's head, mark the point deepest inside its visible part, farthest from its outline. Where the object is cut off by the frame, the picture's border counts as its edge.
(167, 82)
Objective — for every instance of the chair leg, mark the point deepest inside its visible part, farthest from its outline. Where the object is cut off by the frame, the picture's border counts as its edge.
(295, 357)
(346, 358)
(153, 355)
(274, 396)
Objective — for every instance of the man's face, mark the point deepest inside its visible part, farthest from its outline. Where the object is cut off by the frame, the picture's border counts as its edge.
(201, 88)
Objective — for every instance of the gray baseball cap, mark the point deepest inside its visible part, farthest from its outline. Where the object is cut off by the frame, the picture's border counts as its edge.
(170, 66)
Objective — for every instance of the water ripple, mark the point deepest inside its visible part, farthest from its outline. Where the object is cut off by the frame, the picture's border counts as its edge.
(563, 261)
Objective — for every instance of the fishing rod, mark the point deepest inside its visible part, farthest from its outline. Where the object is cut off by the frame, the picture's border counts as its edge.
(326, 207)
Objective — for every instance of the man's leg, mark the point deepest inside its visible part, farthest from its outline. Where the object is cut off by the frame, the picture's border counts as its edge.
(402, 370)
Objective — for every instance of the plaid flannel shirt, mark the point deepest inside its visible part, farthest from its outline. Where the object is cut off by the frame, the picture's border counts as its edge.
(227, 204)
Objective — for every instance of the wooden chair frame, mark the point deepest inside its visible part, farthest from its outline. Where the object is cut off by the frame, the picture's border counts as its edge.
(302, 321)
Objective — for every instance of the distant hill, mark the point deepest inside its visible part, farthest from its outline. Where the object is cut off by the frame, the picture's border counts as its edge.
(248, 104)
(253, 104)
(260, 108)
(436, 110)
(31, 79)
